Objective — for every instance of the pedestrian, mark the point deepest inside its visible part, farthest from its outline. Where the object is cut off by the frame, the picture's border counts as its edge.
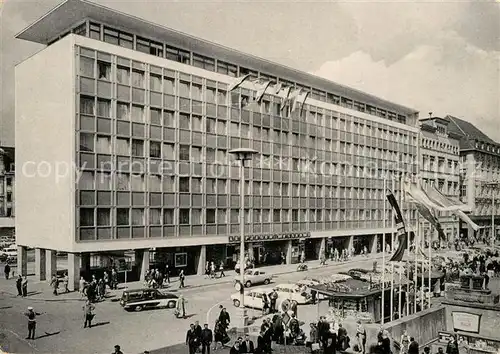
(54, 283)
(167, 273)
(7, 271)
(247, 345)
(221, 269)
(114, 279)
(180, 310)
(224, 318)
(413, 347)
(273, 296)
(207, 270)
(19, 282)
(182, 277)
(81, 286)
(66, 282)
(25, 286)
(88, 313)
(206, 339)
(191, 339)
(212, 270)
(361, 336)
(404, 342)
(101, 285)
(106, 279)
(31, 314)
(117, 350)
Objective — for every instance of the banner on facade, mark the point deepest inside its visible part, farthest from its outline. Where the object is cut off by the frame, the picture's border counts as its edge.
(271, 237)
(466, 321)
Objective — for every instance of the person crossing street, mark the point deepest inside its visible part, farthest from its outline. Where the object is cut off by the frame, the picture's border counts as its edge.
(88, 312)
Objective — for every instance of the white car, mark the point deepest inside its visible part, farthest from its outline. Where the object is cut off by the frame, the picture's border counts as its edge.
(252, 298)
(253, 277)
(10, 251)
(293, 292)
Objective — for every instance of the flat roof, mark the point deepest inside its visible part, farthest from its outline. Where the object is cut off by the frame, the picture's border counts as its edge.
(71, 12)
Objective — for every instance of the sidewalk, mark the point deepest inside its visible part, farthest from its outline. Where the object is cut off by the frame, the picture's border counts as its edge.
(41, 290)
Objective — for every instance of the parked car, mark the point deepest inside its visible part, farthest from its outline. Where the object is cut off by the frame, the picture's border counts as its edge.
(254, 277)
(252, 298)
(144, 299)
(293, 292)
(10, 251)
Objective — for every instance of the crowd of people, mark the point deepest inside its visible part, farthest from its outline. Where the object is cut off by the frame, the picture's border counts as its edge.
(211, 270)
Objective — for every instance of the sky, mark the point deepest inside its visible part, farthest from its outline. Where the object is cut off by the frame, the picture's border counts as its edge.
(434, 56)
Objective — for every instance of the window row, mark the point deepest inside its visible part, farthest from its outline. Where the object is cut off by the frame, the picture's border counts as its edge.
(89, 217)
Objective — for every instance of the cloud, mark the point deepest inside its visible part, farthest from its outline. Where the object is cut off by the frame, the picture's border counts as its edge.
(445, 76)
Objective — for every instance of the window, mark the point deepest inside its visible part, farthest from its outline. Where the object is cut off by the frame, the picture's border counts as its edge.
(222, 97)
(155, 82)
(196, 153)
(86, 217)
(122, 216)
(103, 108)
(184, 184)
(155, 216)
(149, 47)
(87, 66)
(86, 142)
(137, 148)
(155, 149)
(221, 216)
(178, 55)
(155, 116)
(103, 181)
(210, 216)
(122, 146)
(203, 62)
(103, 217)
(196, 123)
(154, 183)
(138, 78)
(210, 125)
(168, 216)
(184, 89)
(184, 216)
(276, 215)
(87, 105)
(184, 153)
(122, 182)
(103, 144)
(137, 113)
(169, 151)
(184, 121)
(137, 216)
(169, 85)
(122, 111)
(196, 92)
(103, 70)
(221, 186)
(227, 69)
(210, 95)
(234, 217)
(95, 31)
(169, 119)
(123, 75)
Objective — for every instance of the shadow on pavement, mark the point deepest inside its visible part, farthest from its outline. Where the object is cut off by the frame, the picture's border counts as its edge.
(47, 334)
(100, 324)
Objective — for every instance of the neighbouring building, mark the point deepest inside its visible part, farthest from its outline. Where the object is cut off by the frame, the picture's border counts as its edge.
(143, 114)
(480, 177)
(439, 166)
(7, 225)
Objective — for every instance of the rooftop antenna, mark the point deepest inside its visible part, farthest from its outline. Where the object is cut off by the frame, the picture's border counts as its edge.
(430, 114)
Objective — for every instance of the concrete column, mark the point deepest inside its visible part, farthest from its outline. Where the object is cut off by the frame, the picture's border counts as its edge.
(143, 257)
(50, 264)
(349, 244)
(85, 264)
(40, 264)
(22, 260)
(202, 259)
(289, 252)
(322, 248)
(74, 271)
(373, 244)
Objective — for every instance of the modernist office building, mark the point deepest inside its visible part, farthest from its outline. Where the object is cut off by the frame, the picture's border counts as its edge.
(439, 166)
(144, 115)
(480, 177)
(7, 185)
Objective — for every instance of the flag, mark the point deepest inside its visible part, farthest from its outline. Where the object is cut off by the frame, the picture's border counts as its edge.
(456, 207)
(304, 102)
(401, 229)
(262, 91)
(286, 98)
(237, 82)
(277, 88)
(425, 206)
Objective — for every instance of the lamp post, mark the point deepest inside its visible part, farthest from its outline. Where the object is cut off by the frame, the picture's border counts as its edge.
(493, 235)
(242, 154)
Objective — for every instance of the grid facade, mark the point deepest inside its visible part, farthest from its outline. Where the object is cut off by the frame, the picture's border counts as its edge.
(152, 146)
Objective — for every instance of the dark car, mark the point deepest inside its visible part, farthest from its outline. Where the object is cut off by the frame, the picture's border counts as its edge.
(142, 299)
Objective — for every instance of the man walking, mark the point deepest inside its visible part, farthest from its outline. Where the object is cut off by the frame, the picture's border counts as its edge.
(54, 283)
(7, 271)
(191, 339)
(273, 296)
(206, 339)
(88, 312)
(25, 286)
(19, 282)
(182, 277)
(31, 314)
(221, 268)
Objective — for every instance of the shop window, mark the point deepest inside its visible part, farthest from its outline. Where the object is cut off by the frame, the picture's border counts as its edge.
(180, 260)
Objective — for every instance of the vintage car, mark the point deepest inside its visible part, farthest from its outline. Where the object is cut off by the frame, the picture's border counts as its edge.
(252, 298)
(145, 299)
(293, 292)
(254, 277)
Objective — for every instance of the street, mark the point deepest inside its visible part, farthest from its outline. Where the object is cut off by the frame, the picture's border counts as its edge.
(60, 327)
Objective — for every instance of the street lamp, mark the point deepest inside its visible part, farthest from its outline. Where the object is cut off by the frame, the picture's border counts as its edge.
(242, 154)
(493, 236)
